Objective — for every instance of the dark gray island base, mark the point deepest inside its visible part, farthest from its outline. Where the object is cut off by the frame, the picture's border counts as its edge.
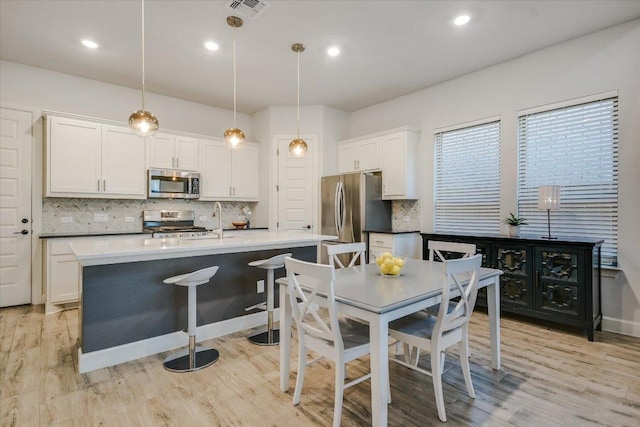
(127, 302)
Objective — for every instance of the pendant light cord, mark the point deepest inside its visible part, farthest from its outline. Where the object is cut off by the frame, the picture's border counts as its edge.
(298, 99)
(143, 55)
(234, 77)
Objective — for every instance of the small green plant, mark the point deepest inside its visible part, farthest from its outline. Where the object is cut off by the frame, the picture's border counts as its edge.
(514, 220)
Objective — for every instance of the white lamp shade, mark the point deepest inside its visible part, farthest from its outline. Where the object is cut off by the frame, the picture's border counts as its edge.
(549, 197)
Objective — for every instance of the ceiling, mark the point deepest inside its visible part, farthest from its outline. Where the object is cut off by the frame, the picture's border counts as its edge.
(388, 48)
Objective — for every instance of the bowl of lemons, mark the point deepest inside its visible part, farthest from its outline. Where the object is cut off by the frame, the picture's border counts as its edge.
(389, 265)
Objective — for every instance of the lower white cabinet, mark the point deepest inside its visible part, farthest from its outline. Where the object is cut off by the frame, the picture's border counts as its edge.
(62, 272)
(398, 244)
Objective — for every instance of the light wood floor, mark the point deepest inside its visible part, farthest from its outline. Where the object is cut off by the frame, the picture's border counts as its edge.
(549, 378)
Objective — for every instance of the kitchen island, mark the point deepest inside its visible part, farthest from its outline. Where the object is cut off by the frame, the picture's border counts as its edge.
(126, 312)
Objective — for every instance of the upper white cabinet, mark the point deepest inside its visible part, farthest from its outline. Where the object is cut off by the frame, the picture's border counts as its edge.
(173, 152)
(360, 155)
(399, 180)
(91, 159)
(228, 173)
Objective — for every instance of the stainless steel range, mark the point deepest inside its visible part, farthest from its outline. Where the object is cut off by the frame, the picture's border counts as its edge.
(172, 224)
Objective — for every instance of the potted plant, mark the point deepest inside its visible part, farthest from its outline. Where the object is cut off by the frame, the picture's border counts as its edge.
(514, 223)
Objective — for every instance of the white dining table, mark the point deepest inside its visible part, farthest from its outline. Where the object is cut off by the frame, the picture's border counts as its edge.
(363, 293)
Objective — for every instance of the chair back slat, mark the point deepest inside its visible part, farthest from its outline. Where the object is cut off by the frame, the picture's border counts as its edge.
(358, 250)
(436, 248)
(319, 278)
(462, 276)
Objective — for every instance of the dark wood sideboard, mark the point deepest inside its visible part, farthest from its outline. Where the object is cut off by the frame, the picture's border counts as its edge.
(556, 280)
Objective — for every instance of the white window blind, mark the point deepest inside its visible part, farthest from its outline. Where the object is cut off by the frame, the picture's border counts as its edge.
(467, 180)
(575, 148)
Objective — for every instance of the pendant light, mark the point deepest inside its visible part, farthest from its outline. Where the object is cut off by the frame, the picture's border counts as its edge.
(234, 136)
(142, 122)
(298, 147)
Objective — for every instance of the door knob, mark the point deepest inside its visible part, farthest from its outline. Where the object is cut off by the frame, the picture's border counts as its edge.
(21, 232)
(25, 220)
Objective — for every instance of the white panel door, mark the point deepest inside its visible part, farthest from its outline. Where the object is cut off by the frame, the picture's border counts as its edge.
(347, 157)
(15, 207)
(244, 172)
(73, 151)
(295, 194)
(123, 170)
(394, 169)
(369, 154)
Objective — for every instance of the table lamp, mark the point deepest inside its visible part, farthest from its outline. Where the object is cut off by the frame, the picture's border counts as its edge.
(549, 199)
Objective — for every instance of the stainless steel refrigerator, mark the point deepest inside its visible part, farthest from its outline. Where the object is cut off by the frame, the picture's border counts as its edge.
(352, 203)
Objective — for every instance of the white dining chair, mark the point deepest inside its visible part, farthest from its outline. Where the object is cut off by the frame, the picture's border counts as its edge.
(437, 247)
(338, 339)
(437, 333)
(438, 251)
(358, 250)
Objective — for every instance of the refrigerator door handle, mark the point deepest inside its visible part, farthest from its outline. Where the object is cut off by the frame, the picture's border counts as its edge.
(343, 208)
(336, 208)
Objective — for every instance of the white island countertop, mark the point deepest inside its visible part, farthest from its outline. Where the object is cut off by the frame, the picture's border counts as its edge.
(116, 250)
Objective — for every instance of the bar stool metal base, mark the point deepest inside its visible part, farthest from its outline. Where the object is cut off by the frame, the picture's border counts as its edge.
(263, 338)
(179, 362)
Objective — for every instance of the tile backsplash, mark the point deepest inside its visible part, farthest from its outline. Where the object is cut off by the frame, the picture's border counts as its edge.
(62, 215)
(405, 215)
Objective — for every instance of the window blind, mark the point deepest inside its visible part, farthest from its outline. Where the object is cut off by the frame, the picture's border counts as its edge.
(576, 148)
(467, 179)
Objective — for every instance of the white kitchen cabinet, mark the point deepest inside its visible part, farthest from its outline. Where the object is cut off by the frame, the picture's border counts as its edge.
(399, 244)
(168, 151)
(62, 272)
(92, 159)
(399, 162)
(359, 155)
(228, 173)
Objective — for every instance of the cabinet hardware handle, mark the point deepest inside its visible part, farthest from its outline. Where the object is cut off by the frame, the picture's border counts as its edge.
(98, 185)
(537, 279)
(358, 164)
(177, 162)
(354, 165)
(234, 190)
(230, 193)
(104, 185)
(379, 241)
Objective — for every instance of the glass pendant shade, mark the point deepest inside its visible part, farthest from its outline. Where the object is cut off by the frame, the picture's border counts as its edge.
(234, 137)
(143, 123)
(298, 147)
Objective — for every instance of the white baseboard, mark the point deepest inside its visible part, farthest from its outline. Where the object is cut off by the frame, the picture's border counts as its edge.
(124, 353)
(620, 326)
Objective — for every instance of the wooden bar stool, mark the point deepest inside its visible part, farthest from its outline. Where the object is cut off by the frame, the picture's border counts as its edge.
(192, 358)
(271, 336)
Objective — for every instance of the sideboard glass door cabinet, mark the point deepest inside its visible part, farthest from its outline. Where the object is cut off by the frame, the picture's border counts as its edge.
(556, 280)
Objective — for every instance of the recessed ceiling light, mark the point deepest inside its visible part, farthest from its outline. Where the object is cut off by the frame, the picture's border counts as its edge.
(211, 45)
(90, 44)
(333, 51)
(462, 19)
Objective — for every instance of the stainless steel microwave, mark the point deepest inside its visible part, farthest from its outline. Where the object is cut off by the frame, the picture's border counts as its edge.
(173, 184)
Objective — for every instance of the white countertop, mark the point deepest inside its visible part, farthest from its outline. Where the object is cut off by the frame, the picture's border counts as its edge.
(115, 250)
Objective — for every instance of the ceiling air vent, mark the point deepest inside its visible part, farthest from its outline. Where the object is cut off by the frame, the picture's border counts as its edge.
(248, 8)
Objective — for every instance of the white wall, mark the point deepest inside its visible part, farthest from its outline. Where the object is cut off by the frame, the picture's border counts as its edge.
(50, 90)
(600, 62)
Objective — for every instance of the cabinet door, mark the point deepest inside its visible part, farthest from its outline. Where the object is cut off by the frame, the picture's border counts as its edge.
(515, 286)
(215, 173)
(347, 157)
(73, 154)
(123, 160)
(244, 172)
(393, 165)
(64, 272)
(187, 153)
(162, 152)
(369, 155)
(559, 287)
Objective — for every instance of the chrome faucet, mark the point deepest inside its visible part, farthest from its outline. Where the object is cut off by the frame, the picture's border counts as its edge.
(218, 206)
